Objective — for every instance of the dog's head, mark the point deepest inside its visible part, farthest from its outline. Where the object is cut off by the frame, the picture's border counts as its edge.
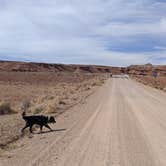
(51, 119)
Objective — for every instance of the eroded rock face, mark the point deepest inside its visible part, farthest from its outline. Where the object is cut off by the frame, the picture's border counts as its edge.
(44, 67)
(146, 70)
(145, 74)
(143, 70)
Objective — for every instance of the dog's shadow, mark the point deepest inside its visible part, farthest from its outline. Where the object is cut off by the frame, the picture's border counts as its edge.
(49, 131)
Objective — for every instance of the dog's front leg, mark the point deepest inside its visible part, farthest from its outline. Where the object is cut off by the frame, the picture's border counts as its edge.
(46, 125)
(41, 127)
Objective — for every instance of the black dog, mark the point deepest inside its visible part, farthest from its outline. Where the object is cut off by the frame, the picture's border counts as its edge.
(37, 119)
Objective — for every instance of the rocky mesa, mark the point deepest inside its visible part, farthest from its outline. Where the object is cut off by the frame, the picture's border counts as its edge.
(147, 69)
(45, 67)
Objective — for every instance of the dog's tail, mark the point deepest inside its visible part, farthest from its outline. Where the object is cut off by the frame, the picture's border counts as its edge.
(24, 115)
(25, 106)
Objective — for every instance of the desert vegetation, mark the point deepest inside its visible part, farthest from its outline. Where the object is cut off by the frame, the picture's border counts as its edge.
(5, 108)
(42, 93)
(159, 82)
(144, 74)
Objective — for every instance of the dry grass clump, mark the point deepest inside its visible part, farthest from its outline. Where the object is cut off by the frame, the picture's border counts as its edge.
(5, 108)
(64, 95)
(43, 98)
(51, 109)
(37, 109)
(62, 102)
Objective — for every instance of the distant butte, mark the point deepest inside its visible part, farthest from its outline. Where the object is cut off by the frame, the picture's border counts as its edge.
(146, 69)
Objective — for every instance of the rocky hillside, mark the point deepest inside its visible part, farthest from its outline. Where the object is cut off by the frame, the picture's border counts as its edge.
(144, 74)
(44, 67)
(143, 70)
(146, 70)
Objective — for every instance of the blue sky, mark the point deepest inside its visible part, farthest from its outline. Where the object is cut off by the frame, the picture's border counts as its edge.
(106, 32)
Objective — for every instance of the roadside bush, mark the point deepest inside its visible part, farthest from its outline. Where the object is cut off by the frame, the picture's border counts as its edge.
(5, 108)
(38, 110)
(62, 102)
(51, 109)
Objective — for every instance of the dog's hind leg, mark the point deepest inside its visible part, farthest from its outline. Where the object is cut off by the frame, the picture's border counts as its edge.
(46, 125)
(41, 128)
(30, 128)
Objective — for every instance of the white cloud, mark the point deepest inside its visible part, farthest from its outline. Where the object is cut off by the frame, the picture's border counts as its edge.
(79, 31)
(133, 29)
(160, 47)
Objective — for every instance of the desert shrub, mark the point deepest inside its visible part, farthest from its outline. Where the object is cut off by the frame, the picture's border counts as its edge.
(95, 84)
(5, 108)
(38, 110)
(25, 105)
(47, 97)
(87, 88)
(62, 102)
(51, 109)
(51, 97)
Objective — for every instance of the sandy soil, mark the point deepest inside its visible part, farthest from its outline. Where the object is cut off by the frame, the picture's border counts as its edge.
(41, 88)
(122, 124)
(47, 93)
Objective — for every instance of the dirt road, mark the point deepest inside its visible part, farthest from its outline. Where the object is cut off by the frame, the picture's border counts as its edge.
(122, 124)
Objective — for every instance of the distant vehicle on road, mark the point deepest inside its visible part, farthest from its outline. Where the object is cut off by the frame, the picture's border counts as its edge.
(126, 76)
(121, 76)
